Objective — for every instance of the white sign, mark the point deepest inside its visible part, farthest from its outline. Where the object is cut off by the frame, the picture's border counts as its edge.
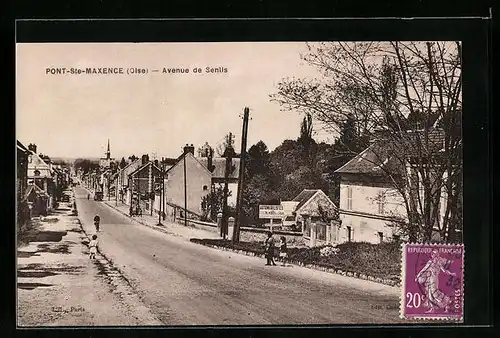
(271, 211)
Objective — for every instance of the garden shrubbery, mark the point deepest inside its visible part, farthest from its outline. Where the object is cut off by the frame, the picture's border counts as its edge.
(377, 260)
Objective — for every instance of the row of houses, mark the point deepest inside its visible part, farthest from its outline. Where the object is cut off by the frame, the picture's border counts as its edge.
(39, 182)
(186, 179)
(369, 202)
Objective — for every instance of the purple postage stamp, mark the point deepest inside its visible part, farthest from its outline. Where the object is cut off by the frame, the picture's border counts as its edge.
(432, 281)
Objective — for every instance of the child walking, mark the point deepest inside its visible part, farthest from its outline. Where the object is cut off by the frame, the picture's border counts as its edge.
(93, 246)
(283, 251)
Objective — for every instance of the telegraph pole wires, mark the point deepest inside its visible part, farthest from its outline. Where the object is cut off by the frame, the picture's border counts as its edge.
(239, 201)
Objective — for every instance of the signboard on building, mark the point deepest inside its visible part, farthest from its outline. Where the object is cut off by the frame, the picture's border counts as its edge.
(271, 211)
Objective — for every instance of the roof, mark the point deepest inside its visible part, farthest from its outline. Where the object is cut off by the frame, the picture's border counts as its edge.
(144, 166)
(170, 161)
(37, 163)
(382, 155)
(197, 159)
(220, 166)
(37, 189)
(22, 147)
(304, 196)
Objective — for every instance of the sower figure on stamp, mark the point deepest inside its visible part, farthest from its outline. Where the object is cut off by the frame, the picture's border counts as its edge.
(428, 277)
(269, 249)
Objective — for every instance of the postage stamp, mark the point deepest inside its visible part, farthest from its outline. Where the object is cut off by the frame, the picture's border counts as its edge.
(432, 281)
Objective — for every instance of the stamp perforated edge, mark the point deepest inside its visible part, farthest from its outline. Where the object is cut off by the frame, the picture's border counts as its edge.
(403, 285)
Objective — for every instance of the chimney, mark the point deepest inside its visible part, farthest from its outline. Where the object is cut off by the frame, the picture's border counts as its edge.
(188, 149)
(145, 159)
(32, 147)
(156, 163)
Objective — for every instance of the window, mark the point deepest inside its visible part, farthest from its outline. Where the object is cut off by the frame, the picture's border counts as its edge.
(380, 236)
(205, 188)
(381, 205)
(349, 233)
(349, 198)
(362, 227)
(396, 238)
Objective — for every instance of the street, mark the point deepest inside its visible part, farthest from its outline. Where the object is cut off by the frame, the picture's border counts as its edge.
(188, 284)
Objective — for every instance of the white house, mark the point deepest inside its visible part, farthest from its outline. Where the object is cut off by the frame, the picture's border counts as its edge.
(369, 201)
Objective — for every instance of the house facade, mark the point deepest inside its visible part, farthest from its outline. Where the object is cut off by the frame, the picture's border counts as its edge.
(141, 184)
(23, 211)
(41, 174)
(218, 165)
(370, 204)
(198, 181)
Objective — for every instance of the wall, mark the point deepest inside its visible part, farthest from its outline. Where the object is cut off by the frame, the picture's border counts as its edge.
(196, 175)
(365, 229)
(233, 188)
(365, 199)
(364, 217)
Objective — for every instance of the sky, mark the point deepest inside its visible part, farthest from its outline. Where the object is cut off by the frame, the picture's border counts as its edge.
(68, 115)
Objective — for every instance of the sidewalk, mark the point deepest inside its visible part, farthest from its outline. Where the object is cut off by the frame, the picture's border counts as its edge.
(170, 228)
(58, 285)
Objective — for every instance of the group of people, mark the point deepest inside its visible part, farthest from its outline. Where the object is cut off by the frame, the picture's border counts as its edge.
(269, 248)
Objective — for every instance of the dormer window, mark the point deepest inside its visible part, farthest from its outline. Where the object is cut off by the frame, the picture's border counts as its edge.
(205, 188)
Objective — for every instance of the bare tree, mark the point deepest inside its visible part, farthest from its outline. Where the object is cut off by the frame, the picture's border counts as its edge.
(406, 98)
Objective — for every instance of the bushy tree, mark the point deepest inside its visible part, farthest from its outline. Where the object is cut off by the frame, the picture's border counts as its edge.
(410, 91)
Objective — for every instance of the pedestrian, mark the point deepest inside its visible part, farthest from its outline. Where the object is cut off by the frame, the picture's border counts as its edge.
(269, 249)
(97, 220)
(283, 251)
(88, 196)
(93, 246)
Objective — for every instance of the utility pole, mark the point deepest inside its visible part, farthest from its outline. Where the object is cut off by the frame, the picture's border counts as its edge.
(229, 157)
(239, 201)
(185, 189)
(161, 191)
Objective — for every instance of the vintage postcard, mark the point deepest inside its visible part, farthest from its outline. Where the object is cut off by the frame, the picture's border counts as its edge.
(239, 183)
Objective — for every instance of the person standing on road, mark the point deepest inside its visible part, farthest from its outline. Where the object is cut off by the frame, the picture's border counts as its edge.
(93, 247)
(269, 249)
(283, 251)
(97, 220)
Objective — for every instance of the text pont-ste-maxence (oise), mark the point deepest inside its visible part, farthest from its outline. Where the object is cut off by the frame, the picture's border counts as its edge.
(132, 70)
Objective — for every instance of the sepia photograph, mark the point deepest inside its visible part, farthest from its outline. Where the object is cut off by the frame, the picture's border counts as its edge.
(239, 183)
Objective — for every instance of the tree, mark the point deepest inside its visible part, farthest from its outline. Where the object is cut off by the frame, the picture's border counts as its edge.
(86, 165)
(258, 159)
(132, 158)
(123, 163)
(406, 98)
(212, 203)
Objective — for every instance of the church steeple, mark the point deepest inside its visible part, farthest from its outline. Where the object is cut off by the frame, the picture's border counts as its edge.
(108, 152)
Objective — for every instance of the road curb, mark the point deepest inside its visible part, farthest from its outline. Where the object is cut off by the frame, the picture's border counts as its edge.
(378, 280)
(140, 222)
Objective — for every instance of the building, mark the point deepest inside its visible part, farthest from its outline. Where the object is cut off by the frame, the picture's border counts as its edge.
(315, 214)
(22, 169)
(106, 162)
(198, 183)
(218, 169)
(41, 174)
(22, 209)
(141, 184)
(369, 202)
(124, 193)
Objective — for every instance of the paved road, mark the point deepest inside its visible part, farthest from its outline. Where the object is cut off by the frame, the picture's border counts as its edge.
(188, 284)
